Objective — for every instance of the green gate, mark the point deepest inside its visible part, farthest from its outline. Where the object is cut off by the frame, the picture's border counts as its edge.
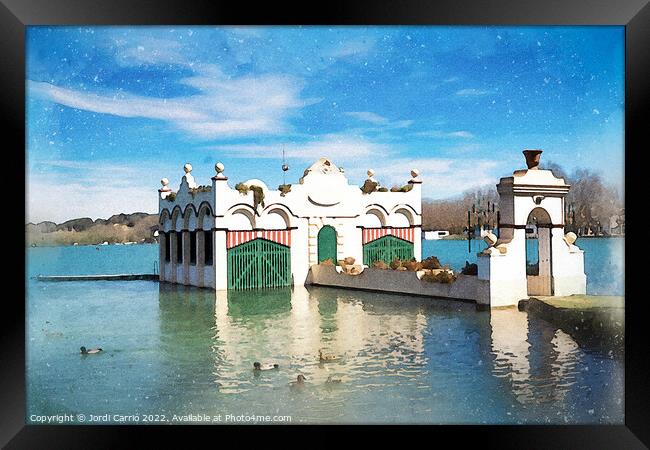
(386, 249)
(259, 264)
(327, 244)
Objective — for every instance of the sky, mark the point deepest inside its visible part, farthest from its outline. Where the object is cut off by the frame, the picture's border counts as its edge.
(112, 110)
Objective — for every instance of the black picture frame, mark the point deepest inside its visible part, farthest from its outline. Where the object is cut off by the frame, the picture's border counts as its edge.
(15, 15)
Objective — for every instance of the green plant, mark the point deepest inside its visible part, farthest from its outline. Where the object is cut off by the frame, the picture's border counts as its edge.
(469, 269)
(171, 196)
(406, 188)
(431, 263)
(380, 265)
(198, 189)
(440, 277)
(412, 265)
(284, 189)
(242, 188)
(382, 189)
(258, 196)
(369, 186)
(258, 193)
(395, 264)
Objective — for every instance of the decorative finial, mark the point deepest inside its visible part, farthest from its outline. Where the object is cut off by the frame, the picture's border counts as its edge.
(189, 177)
(371, 173)
(570, 238)
(532, 158)
(219, 167)
(165, 190)
(490, 239)
(415, 177)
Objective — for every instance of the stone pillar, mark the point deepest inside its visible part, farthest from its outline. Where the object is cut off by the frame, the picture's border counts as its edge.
(220, 260)
(417, 243)
(200, 257)
(416, 203)
(162, 236)
(186, 257)
(172, 260)
(220, 190)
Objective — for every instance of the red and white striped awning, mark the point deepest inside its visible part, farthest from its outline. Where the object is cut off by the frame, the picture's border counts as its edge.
(234, 238)
(372, 234)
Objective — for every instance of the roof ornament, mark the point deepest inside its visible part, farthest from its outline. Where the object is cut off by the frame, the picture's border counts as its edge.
(189, 177)
(415, 176)
(219, 168)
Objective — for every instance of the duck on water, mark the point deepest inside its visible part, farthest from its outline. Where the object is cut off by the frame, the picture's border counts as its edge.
(92, 351)
(265, 366)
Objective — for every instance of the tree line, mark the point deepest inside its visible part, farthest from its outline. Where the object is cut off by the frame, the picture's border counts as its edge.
(592, 204)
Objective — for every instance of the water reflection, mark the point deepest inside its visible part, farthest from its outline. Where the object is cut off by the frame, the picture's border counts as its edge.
(539, 372)
(433, 361)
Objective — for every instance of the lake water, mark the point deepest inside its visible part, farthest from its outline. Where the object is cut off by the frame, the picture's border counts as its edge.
(174, 351)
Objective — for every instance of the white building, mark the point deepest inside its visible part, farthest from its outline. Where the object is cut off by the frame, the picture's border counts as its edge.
(224, 238)
(434, 235)
(532, 196)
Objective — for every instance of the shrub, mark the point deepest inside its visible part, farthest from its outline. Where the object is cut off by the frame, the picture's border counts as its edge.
(242, 188)
(258, 193)
(380, 265)
(404, 188)
(369, 186)
(258, 196)
(469, 269)
(440, 277)
(396, 264)
(327, 262)
(382, 189)
(431, 263)
(412, 265)
(171, 196)
(198, 189)
(284, 189)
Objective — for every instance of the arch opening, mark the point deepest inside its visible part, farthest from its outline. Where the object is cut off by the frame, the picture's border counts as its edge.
(538, 252)
(327, 244)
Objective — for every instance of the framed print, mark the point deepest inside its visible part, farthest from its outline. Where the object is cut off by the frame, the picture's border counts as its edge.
(395, 215)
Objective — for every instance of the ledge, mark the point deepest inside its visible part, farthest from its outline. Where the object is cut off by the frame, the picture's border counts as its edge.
(466, 287)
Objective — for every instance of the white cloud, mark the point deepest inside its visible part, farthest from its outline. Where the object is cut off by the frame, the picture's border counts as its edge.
(445, 134)
(224, 106)
(368, 117)
(87, 189)
(353, 47)
(340, 148)
(376, 119)
(471, 92)
(150, 51)
(442, 177)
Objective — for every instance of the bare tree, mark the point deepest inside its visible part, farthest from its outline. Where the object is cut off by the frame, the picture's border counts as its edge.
(592, 202)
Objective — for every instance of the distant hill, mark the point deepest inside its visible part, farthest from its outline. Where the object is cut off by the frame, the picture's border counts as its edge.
(119, 228)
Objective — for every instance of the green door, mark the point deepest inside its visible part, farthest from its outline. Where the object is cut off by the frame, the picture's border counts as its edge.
(259, 264)
(386, 249)
(327, 244)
